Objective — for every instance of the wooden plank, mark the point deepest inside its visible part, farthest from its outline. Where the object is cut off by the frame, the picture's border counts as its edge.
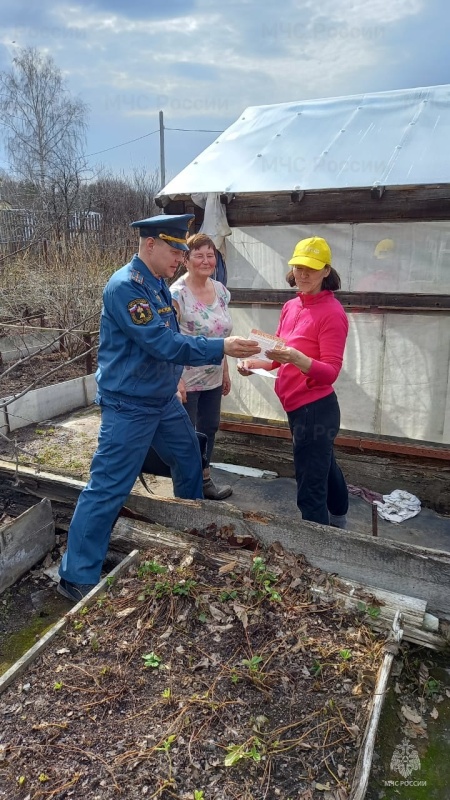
(415, 571)
(23, 663)
(353, 301)
(398, 203)
(364, 763)
(25, 541)
(360, 441)
(419, 627)
(143, 535)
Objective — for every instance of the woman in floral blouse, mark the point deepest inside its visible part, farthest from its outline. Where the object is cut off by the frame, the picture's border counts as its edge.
(202, 308)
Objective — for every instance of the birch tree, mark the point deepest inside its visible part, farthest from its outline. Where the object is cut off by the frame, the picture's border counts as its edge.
(43, 125)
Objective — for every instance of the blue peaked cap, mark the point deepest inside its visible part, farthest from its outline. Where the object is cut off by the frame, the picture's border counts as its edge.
(171, 228)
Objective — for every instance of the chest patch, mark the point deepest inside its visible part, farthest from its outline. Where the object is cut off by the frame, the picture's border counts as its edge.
(140, 311)
(165, 310)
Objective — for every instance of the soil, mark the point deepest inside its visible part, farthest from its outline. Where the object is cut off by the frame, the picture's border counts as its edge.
(49, 445)
(36, 372)
(192, 681)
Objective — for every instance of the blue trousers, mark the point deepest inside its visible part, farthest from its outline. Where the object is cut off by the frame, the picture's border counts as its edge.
(126, 432)
(204, 412)
(321, 486)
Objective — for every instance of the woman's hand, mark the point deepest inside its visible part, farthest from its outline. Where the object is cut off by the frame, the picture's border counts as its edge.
(181, 391)
(284, 355)
(226, 384)
(289, 355)
(245, 367)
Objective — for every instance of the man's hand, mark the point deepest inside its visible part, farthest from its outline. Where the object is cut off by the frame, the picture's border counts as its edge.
(240, 348)
(181, 391)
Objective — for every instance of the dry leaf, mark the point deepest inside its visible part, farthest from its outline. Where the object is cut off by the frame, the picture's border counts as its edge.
(125, 612)
(424, 673)
(241, 614)
(413, 731)
(323, 787)
(411, 715)
(217, 613)
(227, 567)
(202, 664)
(434, 713)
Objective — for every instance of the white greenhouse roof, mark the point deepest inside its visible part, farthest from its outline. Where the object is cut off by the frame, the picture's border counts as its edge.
(392, 138)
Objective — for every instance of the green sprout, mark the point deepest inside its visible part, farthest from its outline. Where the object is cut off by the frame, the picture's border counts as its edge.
(184, 587)
(150, 568)
(151, 660)
(432, 687)
(345, 654)
(167, 744)
(237, 752)
(252, 663)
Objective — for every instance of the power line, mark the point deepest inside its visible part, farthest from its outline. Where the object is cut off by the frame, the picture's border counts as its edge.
(193, 130)
(130, 141)
(146, 135)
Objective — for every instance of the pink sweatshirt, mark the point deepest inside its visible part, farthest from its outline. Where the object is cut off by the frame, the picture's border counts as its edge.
(317, 325)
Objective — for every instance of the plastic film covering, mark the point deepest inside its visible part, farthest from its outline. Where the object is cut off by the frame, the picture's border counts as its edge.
(391, 138)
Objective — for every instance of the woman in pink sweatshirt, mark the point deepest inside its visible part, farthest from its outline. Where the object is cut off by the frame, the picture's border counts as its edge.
(314, 326)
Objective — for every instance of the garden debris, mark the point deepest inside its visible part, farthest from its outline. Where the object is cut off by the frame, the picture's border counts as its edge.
(189, 680)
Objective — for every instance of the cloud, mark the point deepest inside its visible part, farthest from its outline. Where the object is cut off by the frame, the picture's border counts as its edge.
(204, 61)
(140, 9)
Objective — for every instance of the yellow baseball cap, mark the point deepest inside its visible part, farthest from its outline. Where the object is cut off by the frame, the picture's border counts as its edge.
(314, 253)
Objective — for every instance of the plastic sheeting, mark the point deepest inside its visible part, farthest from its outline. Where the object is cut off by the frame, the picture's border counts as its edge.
(418, 261)
(396, 377)
(389, 138)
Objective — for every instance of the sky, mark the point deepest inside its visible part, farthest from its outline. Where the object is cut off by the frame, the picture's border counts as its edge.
(202, 62)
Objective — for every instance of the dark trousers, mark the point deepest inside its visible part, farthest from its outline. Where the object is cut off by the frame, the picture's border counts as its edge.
(204, 412)
(321, 486)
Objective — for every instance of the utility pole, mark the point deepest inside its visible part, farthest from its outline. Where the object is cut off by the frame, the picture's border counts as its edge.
(162, 159)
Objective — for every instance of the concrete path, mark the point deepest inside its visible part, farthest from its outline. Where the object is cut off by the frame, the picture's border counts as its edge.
(278, 496)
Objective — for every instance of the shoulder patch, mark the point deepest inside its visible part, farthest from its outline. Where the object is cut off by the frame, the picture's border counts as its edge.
(140, 311)
(136, 276)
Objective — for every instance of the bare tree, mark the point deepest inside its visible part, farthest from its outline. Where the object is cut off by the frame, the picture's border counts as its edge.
(44, 125)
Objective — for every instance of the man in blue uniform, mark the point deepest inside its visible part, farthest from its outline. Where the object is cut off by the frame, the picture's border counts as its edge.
(140, 360)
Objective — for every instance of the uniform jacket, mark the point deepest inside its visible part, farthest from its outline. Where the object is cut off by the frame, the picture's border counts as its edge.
(141, 351)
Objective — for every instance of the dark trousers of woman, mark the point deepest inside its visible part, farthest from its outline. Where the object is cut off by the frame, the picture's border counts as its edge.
(204, 412)
(321, 486)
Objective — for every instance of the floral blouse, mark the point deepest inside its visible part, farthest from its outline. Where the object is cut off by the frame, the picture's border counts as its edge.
(199, 319)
